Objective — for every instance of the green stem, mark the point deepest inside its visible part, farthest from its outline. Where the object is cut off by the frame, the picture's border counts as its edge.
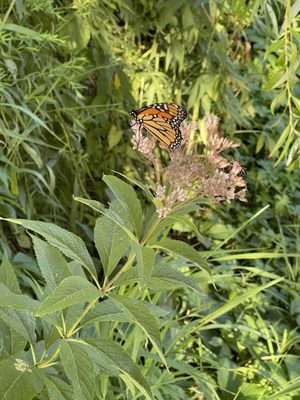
(80, 318)
(45, 364)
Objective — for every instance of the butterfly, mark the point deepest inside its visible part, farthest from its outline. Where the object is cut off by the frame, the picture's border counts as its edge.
(163, 121)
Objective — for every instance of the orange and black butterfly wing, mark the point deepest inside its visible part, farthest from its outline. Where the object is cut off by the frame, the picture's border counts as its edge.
(166, 132)
(163, 121)
(169, 111)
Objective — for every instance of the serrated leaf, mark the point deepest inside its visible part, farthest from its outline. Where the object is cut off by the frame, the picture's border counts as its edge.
(95, 205)
(145, 262)
(118, 214)
(8, 276)
(79, 370)
(72, 290)
(20, 321)
(141, 315)
(67, 242)
(53, 266)
(107, 310)
(16, 383)
(58, 389)
(18, 302)
(108, 354)
(128, 198)
(165, 277)
(184, 250)
(111, 242)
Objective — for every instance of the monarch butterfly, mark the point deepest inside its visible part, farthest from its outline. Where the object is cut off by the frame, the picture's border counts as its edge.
(163, 121)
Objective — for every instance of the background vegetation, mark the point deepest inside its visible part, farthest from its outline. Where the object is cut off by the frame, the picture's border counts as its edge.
(70, 70)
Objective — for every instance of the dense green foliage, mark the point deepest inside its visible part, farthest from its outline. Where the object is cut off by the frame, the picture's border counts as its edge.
(99, 299)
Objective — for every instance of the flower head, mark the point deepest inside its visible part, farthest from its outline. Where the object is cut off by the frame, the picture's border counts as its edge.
(189, 175)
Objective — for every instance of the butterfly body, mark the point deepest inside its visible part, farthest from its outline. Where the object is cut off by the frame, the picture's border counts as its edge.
(163, 121)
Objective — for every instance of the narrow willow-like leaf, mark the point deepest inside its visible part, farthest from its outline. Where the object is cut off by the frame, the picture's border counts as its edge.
(67, 242)
(128, 198)
(8, 276)
(291, 388)
(72, 290)
(18, 380)
(79, 370)
(53, 266)
(111, 242)
(236, 301)
(108, 354)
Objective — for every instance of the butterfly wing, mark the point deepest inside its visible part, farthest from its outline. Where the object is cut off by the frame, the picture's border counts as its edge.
(169, 111)
(165, 131)
(163, 121)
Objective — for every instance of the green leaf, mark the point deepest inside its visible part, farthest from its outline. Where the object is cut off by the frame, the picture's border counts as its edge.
(95, 205)
(279, 99)
(281, 140)
(78, 30)
(58, 389)
(25, 32)
(19, 380)
(107, 310)
(114, 136)
(184, 250)
(277, 79)
(18, 302)
(145, 261)
(20, 321)
(140, 314)
(236, 301)
(8, 276)
(53, 266)
(79, 370)
(290, 388)
(273, 18)
(110, 355)
(72, 290)
(118, 214)
(26, 111)
(165, 277)
(67, 242)
(127, 197)
(111, 242)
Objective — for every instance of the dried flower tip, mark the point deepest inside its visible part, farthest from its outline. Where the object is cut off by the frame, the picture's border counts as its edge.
(241, 195)
(211, 124)
(187, 128)
(219, 161)
(160, 192)
(163, 212)
(143, 144)
(237, 169)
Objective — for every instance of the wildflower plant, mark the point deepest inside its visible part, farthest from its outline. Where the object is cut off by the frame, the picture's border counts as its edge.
(188, 175)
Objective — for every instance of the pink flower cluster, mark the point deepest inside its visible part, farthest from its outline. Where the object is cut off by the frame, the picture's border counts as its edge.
(190, 175)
